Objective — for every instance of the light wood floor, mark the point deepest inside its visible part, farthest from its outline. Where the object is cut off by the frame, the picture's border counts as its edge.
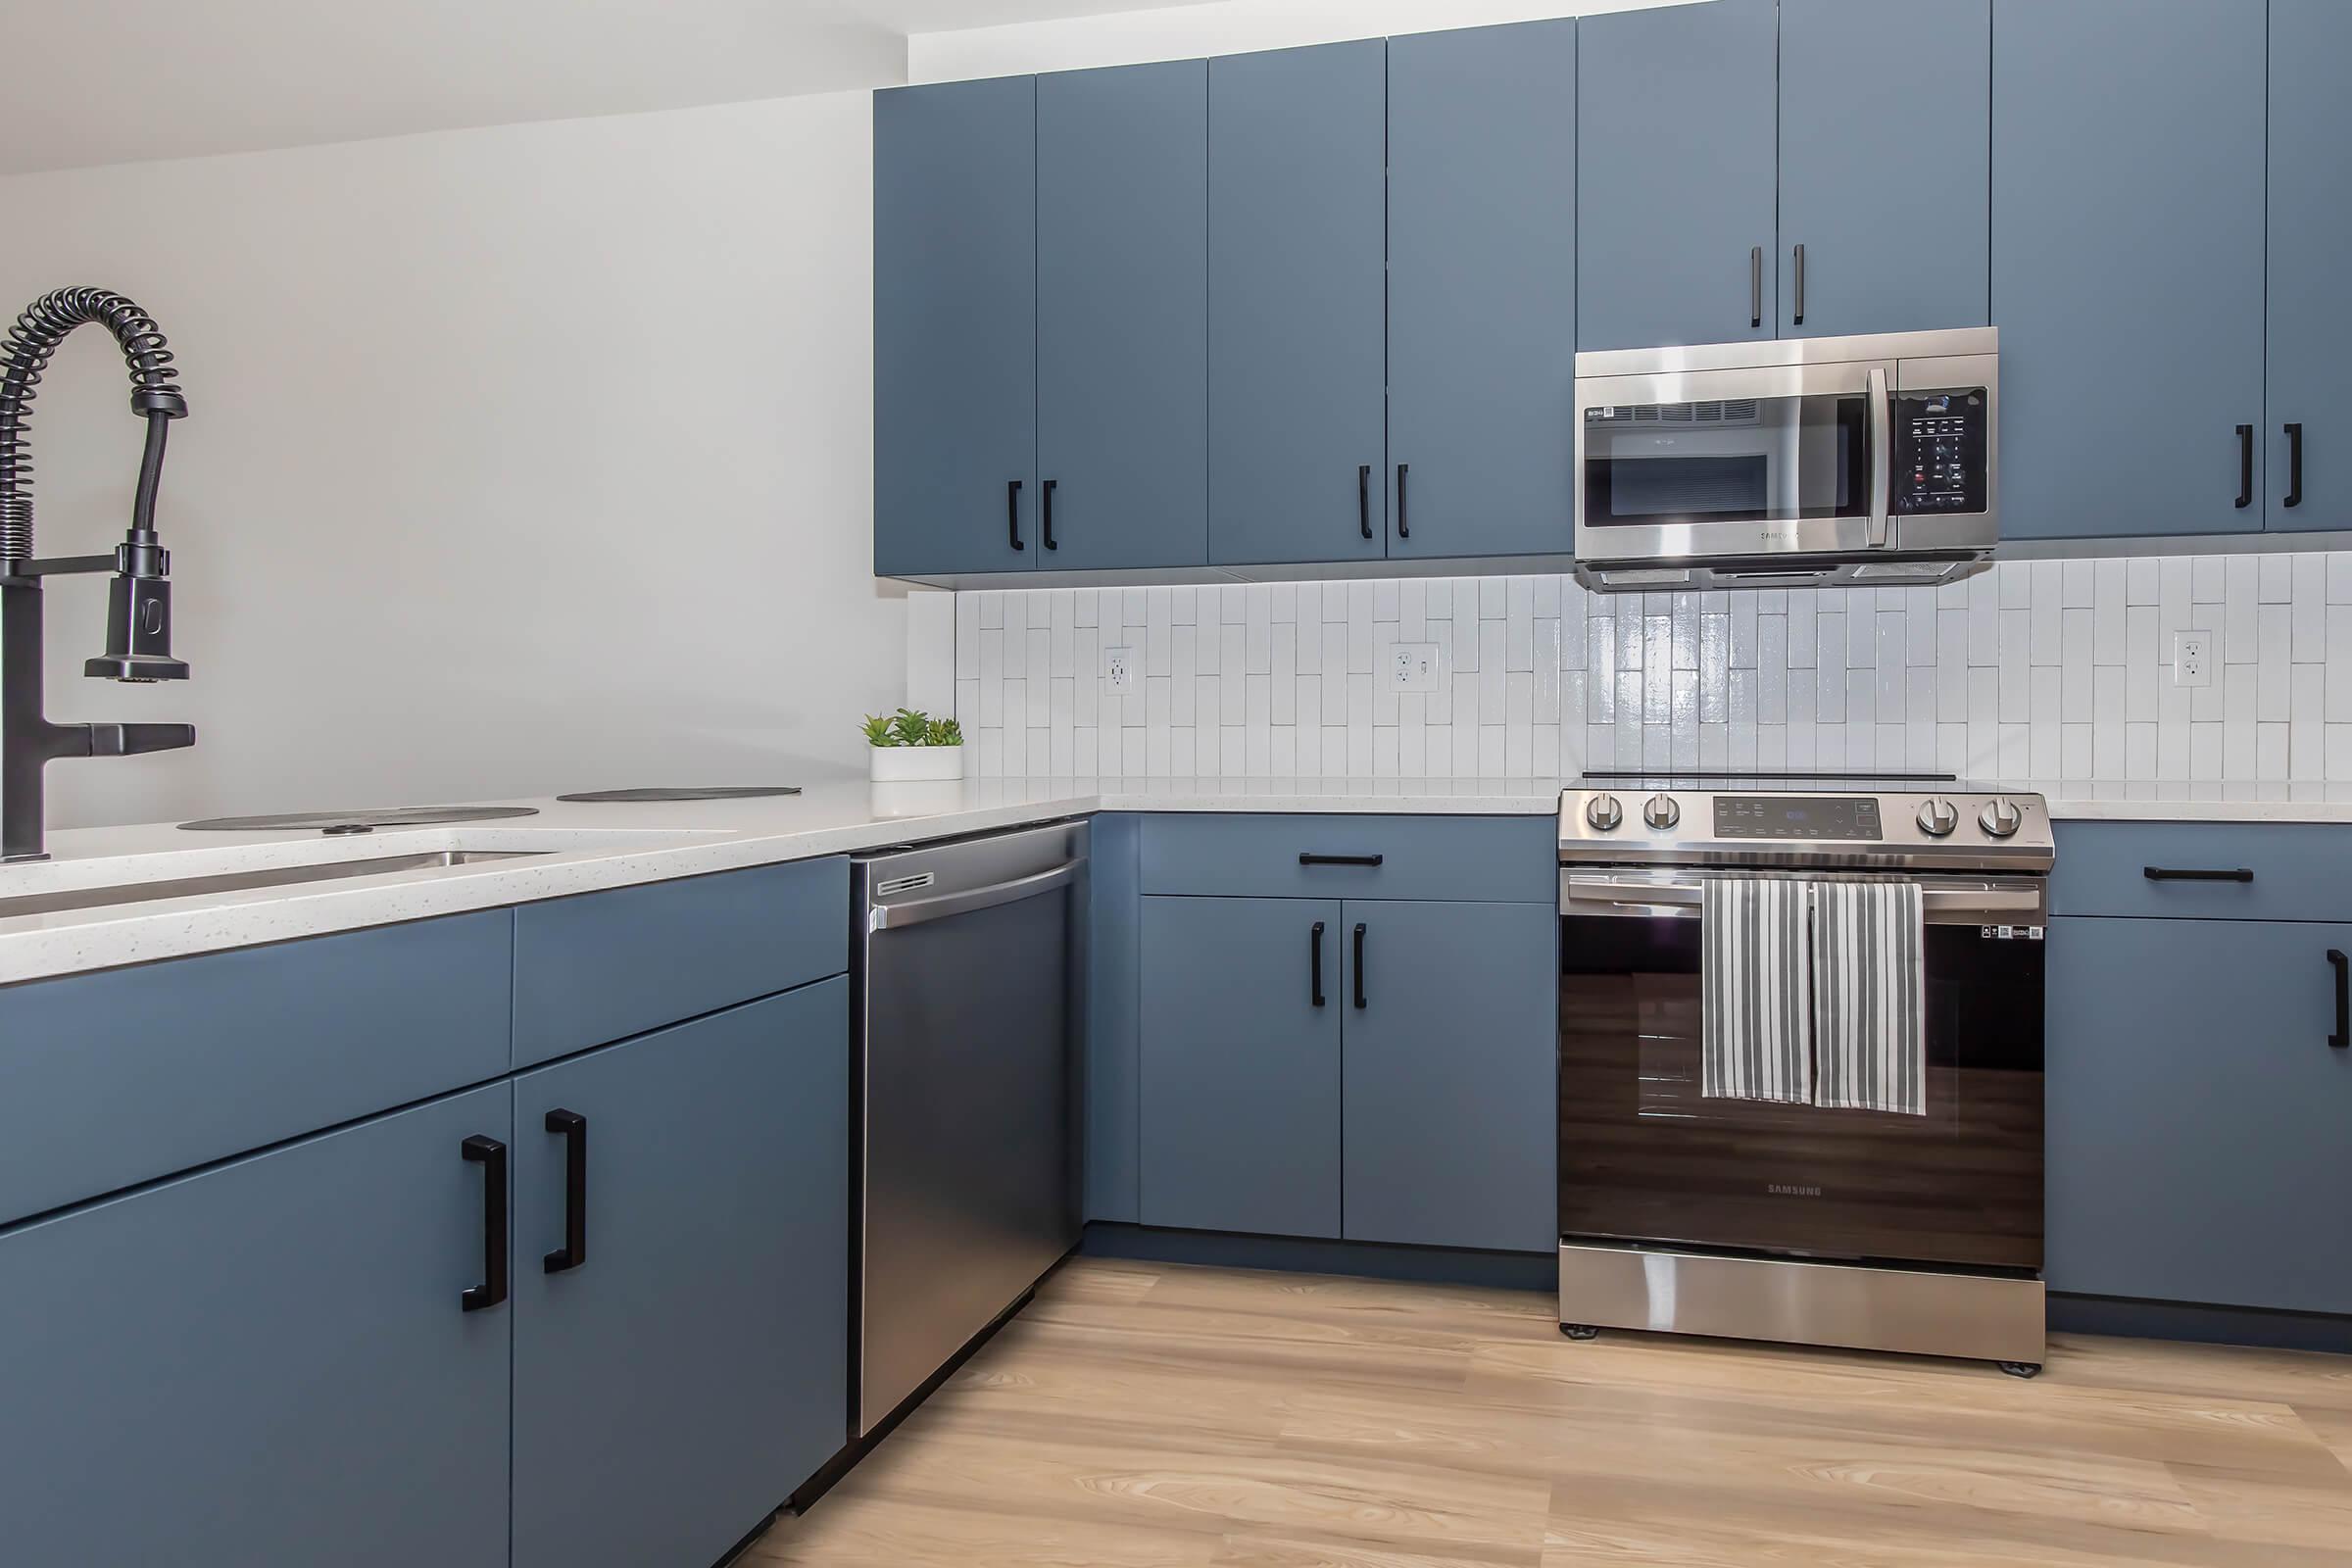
(1139, 1414)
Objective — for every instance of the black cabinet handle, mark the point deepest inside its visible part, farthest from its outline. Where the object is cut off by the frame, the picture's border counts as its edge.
(1013, 512)
(1363, 497)
(2245, 467)
(1306, 859)
(2343, 1000)
(2294, 464)
(1402, 531)
(2165, 874)
(1314, 962)
(491, 1155)
(1359, 965)
(574, 1250)
(1799, 319)
(1045, 520)
(2342, 1038)
(1755, 286)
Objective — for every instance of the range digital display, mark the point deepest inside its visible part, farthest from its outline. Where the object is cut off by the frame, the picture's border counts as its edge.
(1796, 816)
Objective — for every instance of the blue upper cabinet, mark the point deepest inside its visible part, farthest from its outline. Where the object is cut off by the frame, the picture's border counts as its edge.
(1675, 176)
(1297, 304)
(2128, 223)
(955, 327)
(1122, 322)
(2310, 413)
(1886, 112)
(1482, 289)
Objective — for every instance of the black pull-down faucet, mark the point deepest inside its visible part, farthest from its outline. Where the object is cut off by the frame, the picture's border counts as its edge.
(138, 617)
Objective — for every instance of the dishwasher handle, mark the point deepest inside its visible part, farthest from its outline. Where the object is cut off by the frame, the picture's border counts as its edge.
(917, 911)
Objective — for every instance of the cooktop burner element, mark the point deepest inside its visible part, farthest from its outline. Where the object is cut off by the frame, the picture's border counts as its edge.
(1822, 821)
(359, 821)
(714, 792)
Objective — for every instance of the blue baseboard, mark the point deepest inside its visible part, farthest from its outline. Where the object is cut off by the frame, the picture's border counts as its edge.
(1430, 1265)
(2207, 1325)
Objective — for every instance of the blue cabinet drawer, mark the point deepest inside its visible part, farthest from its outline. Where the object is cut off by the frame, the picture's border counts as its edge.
(2293, 870)
(118, 1077)
(1510, 860)
(607, 965)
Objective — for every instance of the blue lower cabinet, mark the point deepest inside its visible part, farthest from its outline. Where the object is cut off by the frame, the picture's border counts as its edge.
(267, 1363)
(1451, 1127)
(683, 1367)
(2197, 1130)
(1241, 1065)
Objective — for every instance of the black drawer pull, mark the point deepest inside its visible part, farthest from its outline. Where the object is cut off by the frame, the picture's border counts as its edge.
(2165, 874)
(1306, 859)
(574, 1250)
(1046, 515)
(1363, 497)
(1403, 530)
(1314, 981)
(1013, 512)
(2342, 1038)
(1359, 965)
(2245, 467)
(2294, 465)
(491, 1155)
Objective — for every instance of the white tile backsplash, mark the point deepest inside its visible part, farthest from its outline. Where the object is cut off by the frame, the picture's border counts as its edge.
(2034, 671)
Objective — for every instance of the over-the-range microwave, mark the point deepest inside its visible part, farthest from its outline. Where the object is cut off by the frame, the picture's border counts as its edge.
(1798, 462)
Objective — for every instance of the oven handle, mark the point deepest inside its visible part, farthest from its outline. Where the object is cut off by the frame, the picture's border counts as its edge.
(1684, 898)
(1882, 459)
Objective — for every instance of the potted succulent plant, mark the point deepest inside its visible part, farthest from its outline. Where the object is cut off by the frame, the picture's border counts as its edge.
(906, 746)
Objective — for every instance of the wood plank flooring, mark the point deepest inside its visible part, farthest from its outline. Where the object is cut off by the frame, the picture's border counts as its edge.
(1141, 1414)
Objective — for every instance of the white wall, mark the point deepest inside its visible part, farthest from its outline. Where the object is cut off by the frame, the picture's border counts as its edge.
(1221, 27)
(520, 460)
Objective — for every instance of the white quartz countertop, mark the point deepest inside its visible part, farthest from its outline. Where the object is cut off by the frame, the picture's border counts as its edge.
(586, 847)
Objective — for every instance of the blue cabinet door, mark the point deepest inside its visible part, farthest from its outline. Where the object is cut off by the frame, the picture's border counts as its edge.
(1481, 290)
(1885, 113)
(1241, 1067)
(689, 1371)
(1122, 316)
(1675, 176)
(1451, 1124)
(2196, 1131)
(955, 327)
(2311, 235)
(266, 1363)
(1297, 308)
(2127, 219)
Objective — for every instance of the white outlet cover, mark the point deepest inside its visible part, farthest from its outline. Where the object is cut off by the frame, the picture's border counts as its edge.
(2193, 658)
(1118, 668)
(1413, 668)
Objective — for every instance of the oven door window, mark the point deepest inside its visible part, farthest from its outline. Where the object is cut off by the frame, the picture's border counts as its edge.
(1729, 459)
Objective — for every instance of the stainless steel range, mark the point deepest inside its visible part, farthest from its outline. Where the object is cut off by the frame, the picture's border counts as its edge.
(1765, 1219)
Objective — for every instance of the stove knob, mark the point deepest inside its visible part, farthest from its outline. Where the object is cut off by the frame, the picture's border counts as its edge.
(1937, 817)
(1661, 812)
(2000, 818)
(1603, 812)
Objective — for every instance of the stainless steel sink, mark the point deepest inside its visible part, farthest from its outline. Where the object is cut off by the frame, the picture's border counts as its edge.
(275, 876)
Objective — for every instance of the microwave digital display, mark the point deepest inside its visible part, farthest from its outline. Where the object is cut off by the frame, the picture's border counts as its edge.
(1940, 441)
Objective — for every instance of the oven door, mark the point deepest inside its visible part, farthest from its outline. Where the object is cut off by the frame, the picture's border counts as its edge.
(1733, 465)
(1645, 1156)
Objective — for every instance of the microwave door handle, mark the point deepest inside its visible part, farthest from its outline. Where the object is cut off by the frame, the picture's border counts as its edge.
(1882, 459)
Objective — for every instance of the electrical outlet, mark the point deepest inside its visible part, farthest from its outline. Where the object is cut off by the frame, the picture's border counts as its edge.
(1118, 668)
(1413, 668)
(2192, 658)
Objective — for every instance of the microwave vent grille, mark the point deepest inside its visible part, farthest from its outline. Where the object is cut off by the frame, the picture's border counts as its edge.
(1720, 411)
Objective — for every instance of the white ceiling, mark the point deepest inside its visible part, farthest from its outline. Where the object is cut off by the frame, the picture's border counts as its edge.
(101, 82)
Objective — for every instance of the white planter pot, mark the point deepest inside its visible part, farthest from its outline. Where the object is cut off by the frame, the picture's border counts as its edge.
(908, 765)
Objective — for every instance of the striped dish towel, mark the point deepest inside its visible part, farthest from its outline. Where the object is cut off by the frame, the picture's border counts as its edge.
(1869, 1003)
(1753, 1042)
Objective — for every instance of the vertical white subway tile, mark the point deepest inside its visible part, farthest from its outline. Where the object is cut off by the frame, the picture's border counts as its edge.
(2107, 724)
(2339, 753)
(2017, 658)
(2139, 753)
(2080, 584)
(1803, 632)
(1257, 635)
(2140, 580)
(2075, 751)
(1386, 601)
(2172, 753)
(2339, 662)
(2271, 752)
(2275, 640)
(1546, 636)
(2276, 574)
(2310, 608)
(2208, 580)
(1714, 667)
(2205, 752)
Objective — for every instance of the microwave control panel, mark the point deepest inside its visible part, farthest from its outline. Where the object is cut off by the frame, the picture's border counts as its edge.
(1940, 441)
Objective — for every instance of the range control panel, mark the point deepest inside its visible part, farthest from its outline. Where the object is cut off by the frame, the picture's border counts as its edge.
(1844, 818)
(1940, 452)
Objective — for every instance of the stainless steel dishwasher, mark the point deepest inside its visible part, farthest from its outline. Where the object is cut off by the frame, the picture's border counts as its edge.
(969, 1005)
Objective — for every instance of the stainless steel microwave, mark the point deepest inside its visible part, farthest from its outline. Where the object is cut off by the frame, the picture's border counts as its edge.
(1799, 463)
